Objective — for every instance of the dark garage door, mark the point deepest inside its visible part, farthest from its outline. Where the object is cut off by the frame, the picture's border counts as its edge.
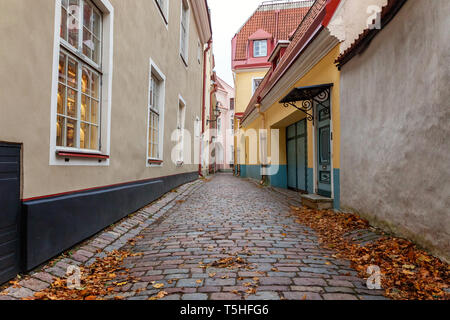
(9, 211)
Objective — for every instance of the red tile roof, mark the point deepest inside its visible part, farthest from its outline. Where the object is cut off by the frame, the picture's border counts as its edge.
(314, 17)
(265, 17)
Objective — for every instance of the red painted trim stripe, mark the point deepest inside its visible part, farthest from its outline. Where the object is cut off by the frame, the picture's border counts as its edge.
(254, 65)
(331, 9)
(101, 187)
(81, 155)
(155, 161)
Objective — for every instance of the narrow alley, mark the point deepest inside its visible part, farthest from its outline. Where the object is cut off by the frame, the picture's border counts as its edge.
(228, 216)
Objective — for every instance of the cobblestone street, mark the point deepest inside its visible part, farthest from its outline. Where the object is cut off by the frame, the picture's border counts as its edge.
(225, 216)
(178, 240)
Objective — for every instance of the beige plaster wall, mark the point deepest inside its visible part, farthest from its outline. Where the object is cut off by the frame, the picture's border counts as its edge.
(395, 121)
(26, 61)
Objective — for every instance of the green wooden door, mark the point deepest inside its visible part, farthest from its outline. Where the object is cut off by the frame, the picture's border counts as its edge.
(296, 156)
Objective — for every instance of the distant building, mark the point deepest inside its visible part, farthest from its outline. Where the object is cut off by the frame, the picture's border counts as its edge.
(225, 126)
(266, 31)
(359, 99)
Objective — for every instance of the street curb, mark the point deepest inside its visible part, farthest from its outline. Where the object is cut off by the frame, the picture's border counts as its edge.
(112, 238)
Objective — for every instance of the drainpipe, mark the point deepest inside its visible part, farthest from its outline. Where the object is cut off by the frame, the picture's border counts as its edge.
(211, 126)
(263, 120)
(205, 52)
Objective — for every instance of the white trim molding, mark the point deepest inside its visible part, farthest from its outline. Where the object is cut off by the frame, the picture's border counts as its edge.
(315, 52)
(106, 90)
(202, 20)
(154, 70)
(164, 15)
(185, 7)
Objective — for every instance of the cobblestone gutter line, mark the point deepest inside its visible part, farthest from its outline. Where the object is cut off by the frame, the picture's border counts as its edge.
(361, 236)
(113, 238)
(230, 216)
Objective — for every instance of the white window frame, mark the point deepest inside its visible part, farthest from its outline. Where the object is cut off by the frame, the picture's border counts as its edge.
(185, 55)
(197, 127)
(199, 51)
(107, 11)
(219, 126)
(180, 128)
(253, 84)
(254, 48)
(155, 71)
(163, 12)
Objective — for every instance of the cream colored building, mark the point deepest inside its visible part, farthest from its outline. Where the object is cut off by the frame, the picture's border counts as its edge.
(94, 95)
(225, 126)
(207, 134)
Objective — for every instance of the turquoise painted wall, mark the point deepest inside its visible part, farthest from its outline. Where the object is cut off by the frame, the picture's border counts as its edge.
(337, 189)
(243, 171)
(279, 179)
(253, 171)
(310, 180)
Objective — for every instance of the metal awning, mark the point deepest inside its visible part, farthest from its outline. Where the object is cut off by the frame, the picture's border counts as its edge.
(308, 95)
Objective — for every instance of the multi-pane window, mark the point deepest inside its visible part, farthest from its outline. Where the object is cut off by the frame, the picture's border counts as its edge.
(163, 7)
(184, 30)
(260, 48)
(180, 128)
(154, 118)
(219, 126)
(256, 84)
(79, 82)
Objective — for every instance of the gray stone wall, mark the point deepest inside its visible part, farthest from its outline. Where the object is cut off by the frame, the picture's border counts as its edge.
(395, 120)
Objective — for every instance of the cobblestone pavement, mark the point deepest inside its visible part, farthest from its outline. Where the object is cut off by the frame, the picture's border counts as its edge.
(202, 222)
(229, 215)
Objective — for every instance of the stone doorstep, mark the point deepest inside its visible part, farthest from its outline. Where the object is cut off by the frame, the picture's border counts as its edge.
(315, 201)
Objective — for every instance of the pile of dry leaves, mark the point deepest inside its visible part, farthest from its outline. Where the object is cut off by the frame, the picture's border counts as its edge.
(98, 280)
(407, 271)
(229, 263)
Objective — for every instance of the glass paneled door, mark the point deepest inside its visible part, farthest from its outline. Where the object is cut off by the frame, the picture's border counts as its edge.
(296, 135)
(323, 149)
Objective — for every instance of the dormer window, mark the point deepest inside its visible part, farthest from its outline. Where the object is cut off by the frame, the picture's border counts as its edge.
(260, 48)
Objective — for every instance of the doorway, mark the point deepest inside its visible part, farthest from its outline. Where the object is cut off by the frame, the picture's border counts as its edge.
(10, 205)
(296, 136)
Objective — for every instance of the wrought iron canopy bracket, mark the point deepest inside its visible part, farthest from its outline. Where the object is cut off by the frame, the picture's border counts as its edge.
(306, 108)
(307, 96)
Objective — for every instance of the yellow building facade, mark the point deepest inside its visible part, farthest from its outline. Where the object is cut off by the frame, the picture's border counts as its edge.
(290, 131)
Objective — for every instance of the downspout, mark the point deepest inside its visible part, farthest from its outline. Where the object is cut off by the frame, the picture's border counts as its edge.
(263, 122)
(205, 52)
(211, 125)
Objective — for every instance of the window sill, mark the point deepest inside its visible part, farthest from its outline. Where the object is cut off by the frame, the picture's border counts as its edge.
(184, 60)
(155, 162)
(65, 154)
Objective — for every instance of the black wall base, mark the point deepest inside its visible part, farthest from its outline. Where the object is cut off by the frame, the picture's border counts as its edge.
(53, 225)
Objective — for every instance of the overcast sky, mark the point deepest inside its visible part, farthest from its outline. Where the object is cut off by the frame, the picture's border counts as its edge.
(227, 17)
